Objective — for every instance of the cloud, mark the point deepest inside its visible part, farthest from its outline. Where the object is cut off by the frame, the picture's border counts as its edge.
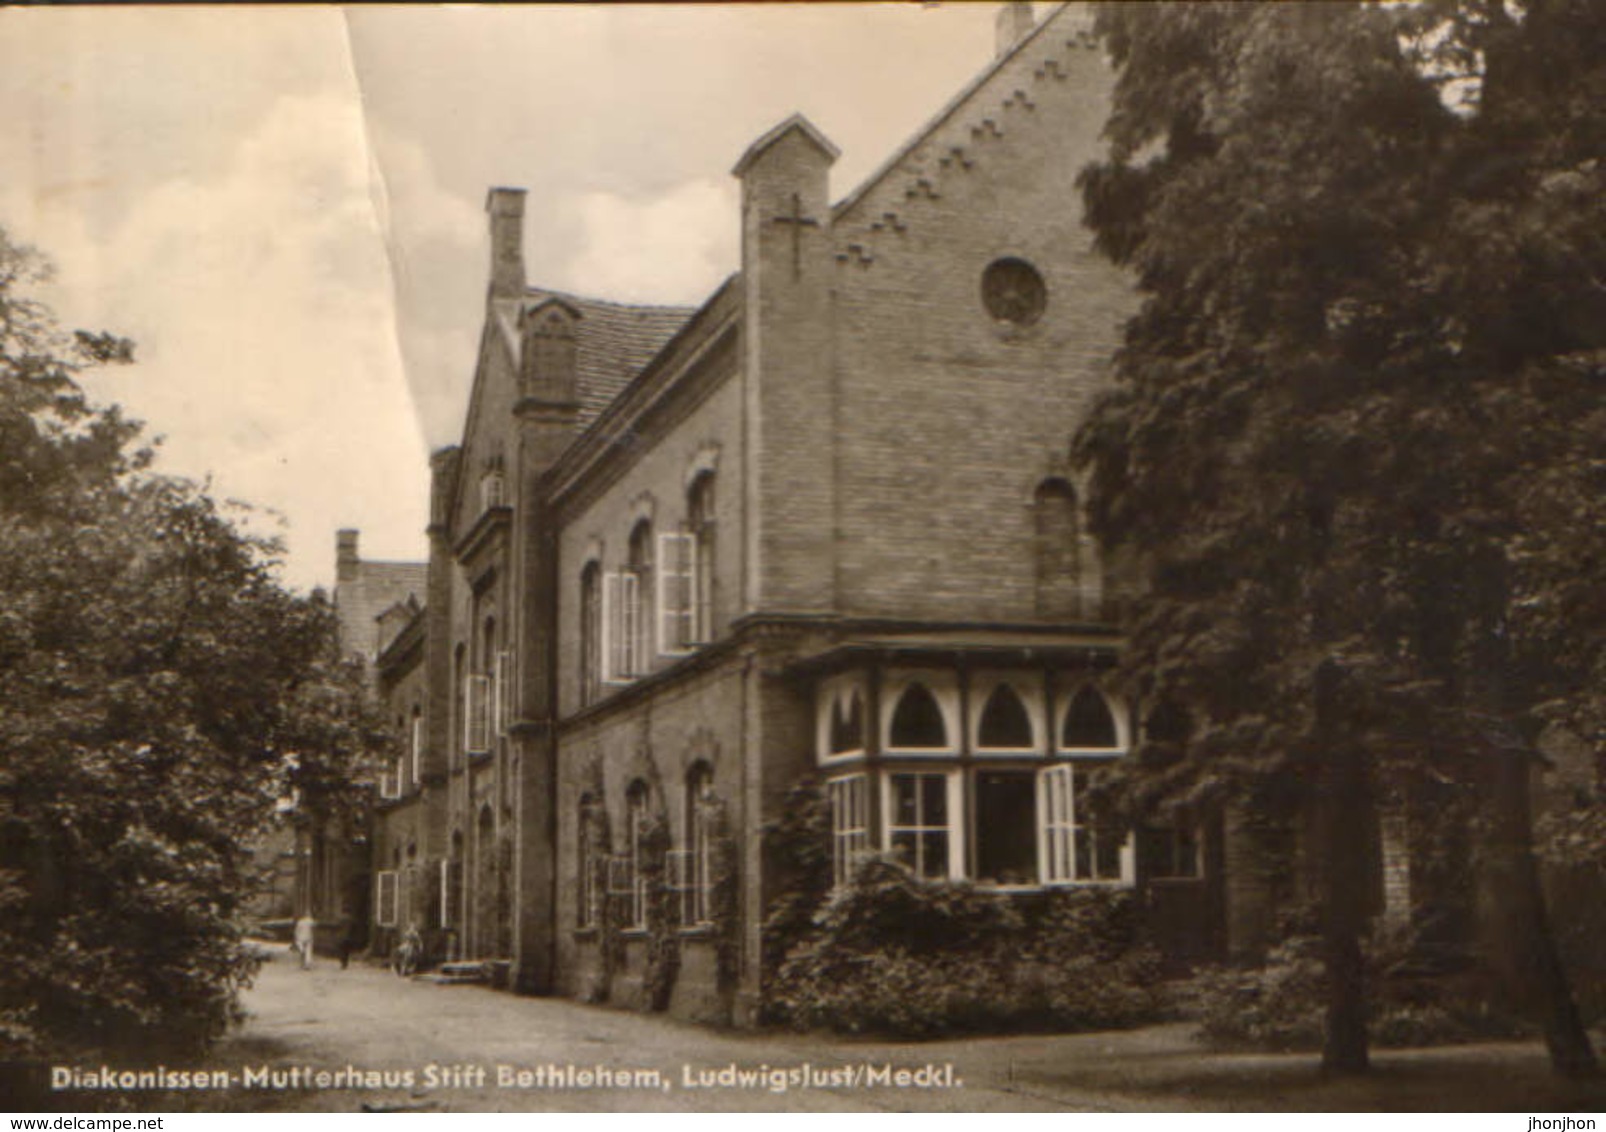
(675, 247)
(261, 302)
(434, 239)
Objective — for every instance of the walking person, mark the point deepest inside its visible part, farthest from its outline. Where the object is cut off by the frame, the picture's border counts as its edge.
(348, 943)
(303, 940)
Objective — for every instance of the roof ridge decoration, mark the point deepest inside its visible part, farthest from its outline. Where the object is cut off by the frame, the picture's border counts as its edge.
(859, 241)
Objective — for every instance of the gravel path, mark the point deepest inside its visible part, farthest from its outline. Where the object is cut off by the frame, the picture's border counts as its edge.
(464, 1048)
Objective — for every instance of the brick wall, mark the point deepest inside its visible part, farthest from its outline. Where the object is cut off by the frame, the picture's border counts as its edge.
(652, 480)
(946, 419)
(698, 718)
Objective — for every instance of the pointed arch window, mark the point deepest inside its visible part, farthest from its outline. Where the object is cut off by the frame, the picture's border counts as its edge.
(917, 721)
(847, 723)
(1005, 723)
(1058, 538)
(1089, 723)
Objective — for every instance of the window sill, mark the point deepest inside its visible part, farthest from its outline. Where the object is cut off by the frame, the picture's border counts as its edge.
(697, 931)
(586, 934)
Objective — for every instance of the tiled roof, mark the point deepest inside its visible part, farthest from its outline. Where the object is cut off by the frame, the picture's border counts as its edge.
(615, 340)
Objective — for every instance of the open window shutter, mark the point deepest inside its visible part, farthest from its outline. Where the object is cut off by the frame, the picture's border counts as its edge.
(385, 900)
(418, 747)
(676, 587)
(1056, 836)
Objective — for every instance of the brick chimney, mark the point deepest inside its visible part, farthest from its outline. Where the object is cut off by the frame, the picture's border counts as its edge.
(505, 207)
(345, 555)
(1013, 23)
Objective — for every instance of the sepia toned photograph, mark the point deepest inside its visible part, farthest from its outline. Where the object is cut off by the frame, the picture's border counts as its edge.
(799, 557)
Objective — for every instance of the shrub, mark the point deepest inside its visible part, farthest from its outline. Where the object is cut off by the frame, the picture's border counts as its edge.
(894, 955)
(1415, 998)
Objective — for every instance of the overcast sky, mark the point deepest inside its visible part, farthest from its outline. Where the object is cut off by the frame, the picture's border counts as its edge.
(284, 206)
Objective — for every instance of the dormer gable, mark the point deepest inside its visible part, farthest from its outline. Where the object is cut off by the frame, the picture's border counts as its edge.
(547, 351)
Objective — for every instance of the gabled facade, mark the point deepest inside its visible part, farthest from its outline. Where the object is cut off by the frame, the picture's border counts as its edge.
(823, 524)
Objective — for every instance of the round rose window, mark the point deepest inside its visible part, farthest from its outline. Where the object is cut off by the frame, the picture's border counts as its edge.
(1013, 291)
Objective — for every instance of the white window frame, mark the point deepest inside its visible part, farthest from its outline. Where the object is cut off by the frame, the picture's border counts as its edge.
(493, 491)
(831, 693)
(476, 714)
(623, 646)
(944, 688)
(675, 579)
(417, 747)
(849, 799)
(1060, 819)
(443, 913)
(954, 827)
(1117, 710)
(386, 892)
(625, 879)
(1031, 698)
(687, 870)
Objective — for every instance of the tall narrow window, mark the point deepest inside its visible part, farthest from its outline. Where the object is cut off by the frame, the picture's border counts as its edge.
(590, 632)
(417, 744)
(1058, 545)
(385, 899)
(1004, 722)
(698, 871)
(635, 852)
(850, 824)
(918, 832)
(502, 691)
(917, 721)
(636, 603)
(700, 525)
(1006, 826)
(586, 865)
(459, 699)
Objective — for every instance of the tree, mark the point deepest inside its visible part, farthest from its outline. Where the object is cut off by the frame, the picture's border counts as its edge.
(1346, 426)
(162, 694)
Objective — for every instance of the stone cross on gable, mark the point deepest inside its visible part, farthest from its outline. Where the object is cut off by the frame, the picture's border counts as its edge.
(798, 222)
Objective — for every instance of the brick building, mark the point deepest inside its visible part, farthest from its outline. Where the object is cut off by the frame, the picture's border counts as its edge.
(823, 523)
(332, 859)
